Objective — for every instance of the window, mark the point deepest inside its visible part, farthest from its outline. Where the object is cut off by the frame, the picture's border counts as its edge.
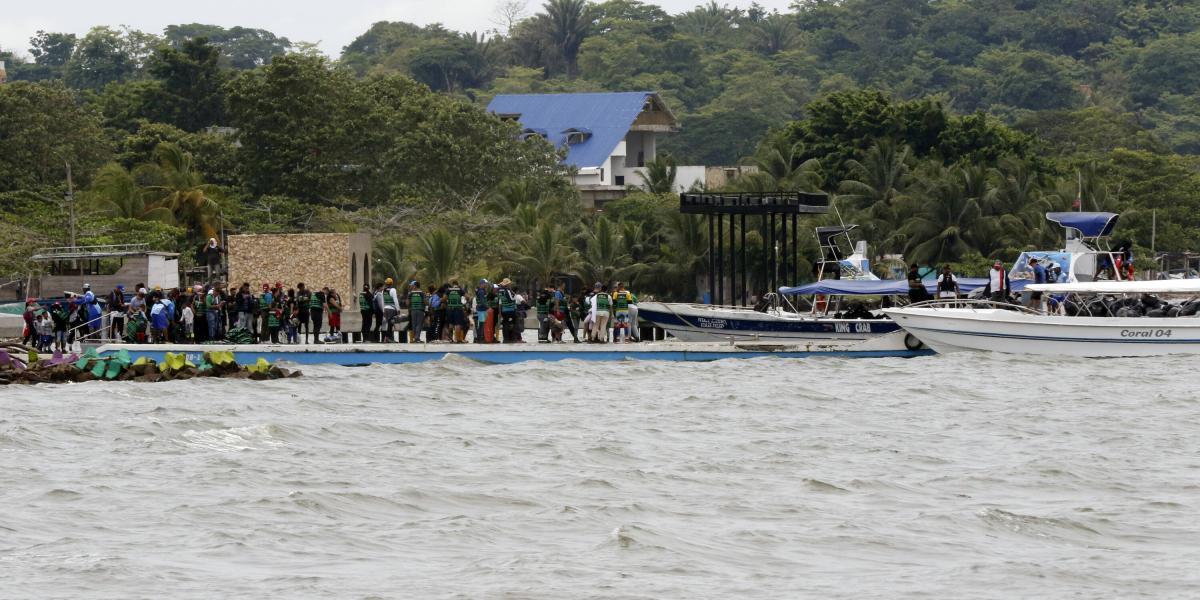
(620, 180)
(353, 271)
(576, 135)
(641, 158)
(367, 269)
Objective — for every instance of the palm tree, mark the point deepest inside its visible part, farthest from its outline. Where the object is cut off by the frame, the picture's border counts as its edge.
(947, 222)
(392, 260)
(684, 255)
(605, 256)
(438, 255)
(776, 34)
(117, 194)
(706, 20)
(780, 169)
(564, 26)
(660, 175)
(880, 176)
(512, 193)
(174, 184)
(543, 253)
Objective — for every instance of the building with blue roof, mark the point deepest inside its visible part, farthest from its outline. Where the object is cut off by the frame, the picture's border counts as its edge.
(609, 136)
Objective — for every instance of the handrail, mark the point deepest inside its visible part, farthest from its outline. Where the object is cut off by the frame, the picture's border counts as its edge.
(969, 303)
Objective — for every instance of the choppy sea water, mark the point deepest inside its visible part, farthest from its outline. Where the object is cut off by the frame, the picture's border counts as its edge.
(962, 476)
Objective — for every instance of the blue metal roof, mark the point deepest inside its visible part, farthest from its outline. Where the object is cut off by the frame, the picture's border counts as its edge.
(1089, 224)
(607, 117)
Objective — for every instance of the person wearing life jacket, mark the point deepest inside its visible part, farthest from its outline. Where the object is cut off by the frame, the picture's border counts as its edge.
(508, 310)
(390, 306)
(947, 284)
(265, 299)
(416, 311)
(621, 299)
(481, 308)
(542, 304)
(365, 300)
(601, 305)
(997, 287)
(456, 313)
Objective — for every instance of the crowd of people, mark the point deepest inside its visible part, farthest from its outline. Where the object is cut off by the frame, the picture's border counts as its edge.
(489, 313)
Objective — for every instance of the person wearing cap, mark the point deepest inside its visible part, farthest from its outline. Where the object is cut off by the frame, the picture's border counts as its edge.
(621, 300)
(91, 308)
(416, 311)
(601, 305)
(1039, 276)
(507, 302)
(997, 287)
(389, 303)
(116, 312)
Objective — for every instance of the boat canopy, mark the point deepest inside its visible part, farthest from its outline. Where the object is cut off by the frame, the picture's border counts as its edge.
(881, 287)
(1088, 224)
(1160, 286)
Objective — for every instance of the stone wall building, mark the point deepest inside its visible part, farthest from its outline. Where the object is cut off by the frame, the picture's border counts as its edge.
(341, 261)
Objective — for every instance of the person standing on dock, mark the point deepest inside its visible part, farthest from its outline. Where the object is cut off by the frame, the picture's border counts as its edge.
(303, 303)
(601, 304)
(265, 299)
(366, 300)
(481, 309)
(316, 312)
(621, 301)
(563, 305)
(508, 310)
(116, 312)
(390, 304)
(416, 312)
(456, 315)
(92, 308)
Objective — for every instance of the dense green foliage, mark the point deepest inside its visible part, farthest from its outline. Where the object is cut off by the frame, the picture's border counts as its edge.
(946, 129)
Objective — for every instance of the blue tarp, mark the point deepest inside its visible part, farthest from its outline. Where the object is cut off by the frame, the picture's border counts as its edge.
(1089, 224)
(607, 117)
(883, 287)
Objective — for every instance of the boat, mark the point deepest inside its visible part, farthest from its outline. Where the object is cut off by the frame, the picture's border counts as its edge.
(996, 327)
(833, 313)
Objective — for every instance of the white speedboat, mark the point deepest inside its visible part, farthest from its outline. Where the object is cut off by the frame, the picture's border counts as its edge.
(989, 326)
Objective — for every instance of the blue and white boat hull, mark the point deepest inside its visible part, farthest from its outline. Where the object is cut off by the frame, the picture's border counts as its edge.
(705, 323)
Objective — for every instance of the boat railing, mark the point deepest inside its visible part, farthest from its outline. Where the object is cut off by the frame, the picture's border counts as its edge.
(974, 305)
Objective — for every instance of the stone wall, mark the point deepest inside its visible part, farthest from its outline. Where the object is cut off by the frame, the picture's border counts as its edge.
(316, 259)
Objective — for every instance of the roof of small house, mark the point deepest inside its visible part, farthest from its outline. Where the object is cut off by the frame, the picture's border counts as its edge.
(602, 119)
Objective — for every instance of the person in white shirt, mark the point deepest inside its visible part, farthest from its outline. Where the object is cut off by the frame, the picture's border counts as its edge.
(947, 285)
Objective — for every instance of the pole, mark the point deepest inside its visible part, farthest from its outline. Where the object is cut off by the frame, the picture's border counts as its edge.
(784, 234)
(795, 253)
(744, 269)
(773, 249)
(720, 260)
(733, 263)
(712, 281)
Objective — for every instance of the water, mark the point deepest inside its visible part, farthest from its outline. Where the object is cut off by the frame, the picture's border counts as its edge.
(966, 476)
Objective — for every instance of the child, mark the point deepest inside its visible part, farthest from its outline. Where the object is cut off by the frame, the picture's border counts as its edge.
(189, 322)
(45, 331)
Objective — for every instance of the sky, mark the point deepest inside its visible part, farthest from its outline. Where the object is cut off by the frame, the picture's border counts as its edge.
(330, 24)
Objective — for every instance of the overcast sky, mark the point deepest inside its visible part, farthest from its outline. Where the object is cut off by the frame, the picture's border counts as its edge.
(333, 24)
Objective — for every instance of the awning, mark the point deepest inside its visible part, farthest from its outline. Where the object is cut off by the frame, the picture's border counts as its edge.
(882, 287)
(1088, 224)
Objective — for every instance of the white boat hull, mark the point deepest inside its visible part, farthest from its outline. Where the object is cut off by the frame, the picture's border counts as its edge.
(999, 330)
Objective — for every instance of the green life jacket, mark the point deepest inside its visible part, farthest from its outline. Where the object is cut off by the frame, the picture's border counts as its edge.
(543, 306)
(416, 301)
(272, 319)
(210, 301)
(622, 301)
(603, 301)
(388, 300)
(507, 302)
(264, 302)
(493, 301)
(364, 302)
(454, 297)
(317, 301)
